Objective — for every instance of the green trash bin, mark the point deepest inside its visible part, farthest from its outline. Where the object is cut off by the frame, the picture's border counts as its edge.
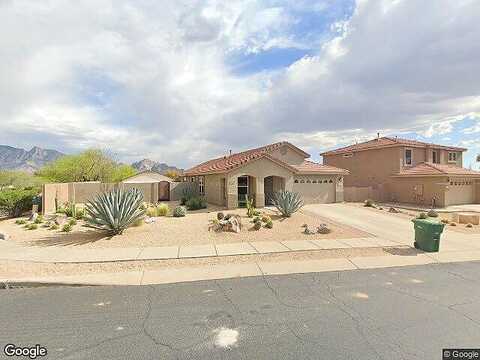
(427, 234)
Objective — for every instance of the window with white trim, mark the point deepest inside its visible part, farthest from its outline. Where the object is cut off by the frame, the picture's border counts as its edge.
(408, 157)
(452, 157)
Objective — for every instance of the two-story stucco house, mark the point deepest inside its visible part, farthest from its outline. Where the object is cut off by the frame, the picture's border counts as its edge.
(256, 173)
(407, 171)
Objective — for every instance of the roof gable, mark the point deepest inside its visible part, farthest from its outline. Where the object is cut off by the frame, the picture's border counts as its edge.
(384, 142)
(231, 162)
(431, 169)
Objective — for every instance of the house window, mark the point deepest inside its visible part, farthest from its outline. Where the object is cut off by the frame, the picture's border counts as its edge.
(408, 157)
(201, 185)
(452, 157)
(435, 157)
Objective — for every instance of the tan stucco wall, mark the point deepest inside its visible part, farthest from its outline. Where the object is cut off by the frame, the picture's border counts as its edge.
(83, 192)
(403, 189)
(288, 155)
(367, 168)
(213, 189)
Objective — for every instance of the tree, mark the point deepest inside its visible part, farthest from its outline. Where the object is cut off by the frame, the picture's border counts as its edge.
(19, 179)
(90, 165)
(175, 175)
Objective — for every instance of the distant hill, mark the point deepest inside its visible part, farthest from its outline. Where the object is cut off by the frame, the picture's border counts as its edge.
(150, 165)
(12, 158)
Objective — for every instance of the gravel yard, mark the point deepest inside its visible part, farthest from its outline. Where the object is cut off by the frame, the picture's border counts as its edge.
(189, 230)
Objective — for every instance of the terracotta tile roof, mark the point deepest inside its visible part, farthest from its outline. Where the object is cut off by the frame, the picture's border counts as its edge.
(388, 142)
(309, 167)
(428, 168)
(228, 163)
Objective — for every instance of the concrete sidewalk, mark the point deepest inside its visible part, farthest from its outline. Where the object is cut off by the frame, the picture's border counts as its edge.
(9, 251)
(259, 268)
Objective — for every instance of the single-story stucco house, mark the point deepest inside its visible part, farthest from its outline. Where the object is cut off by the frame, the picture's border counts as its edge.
(257, 173)
(406, 171)
(162, 192)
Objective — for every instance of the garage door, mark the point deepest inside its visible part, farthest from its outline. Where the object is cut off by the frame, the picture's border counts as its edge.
(460, 191)
(315, 190)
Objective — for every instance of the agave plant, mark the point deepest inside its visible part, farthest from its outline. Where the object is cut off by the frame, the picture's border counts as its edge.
(114, 211)
(287, 202)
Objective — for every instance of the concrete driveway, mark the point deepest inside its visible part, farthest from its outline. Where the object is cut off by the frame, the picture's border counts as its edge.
(386, 226)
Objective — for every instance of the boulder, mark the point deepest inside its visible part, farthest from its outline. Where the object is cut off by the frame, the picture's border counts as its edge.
(393, 210)
(149, 220)
(3, 236)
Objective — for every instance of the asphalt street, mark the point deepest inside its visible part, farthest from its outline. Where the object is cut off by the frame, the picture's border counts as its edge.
(394, 313)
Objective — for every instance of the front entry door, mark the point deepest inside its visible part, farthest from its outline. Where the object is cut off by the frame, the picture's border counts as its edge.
(164, 191)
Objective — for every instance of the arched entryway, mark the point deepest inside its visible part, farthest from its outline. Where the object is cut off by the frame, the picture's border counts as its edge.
(272, 184)
(164, 191)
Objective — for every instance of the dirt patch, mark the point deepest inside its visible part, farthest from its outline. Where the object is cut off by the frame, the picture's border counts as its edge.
(189, 230)
(25, 269)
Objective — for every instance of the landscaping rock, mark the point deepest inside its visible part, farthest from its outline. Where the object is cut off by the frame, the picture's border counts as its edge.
(149, 220)
(4, 236)
(33, 217)
(393, 210)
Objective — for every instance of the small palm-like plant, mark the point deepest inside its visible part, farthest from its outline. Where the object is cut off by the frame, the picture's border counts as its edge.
(114, 211)
(287, 202)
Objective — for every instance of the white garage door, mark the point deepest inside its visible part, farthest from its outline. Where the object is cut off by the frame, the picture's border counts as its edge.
(315, 190)
(460, 191)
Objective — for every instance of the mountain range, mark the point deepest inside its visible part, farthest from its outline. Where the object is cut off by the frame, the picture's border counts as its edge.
(12, 158)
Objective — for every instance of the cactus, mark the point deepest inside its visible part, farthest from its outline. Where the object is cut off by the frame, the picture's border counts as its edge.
(287, 202)
(115, 211)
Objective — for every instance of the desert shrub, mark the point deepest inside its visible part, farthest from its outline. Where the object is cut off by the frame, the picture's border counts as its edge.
(257, 225)
(38, 220)
(190, 191)
(287, 202)
(269, 224)
(20, 221)
(79, 213)
(162, 210)
(266, 218)
(32, 226)
(369, 203)
(196, 203)
(138, 222)
(422, 215)
(72, 222)
(220, 215)
(180, 211)
(53, 227)
(151, 212)
(15, 202)
(469, 225)
(432, 213)
(115, 211)
(67, 227)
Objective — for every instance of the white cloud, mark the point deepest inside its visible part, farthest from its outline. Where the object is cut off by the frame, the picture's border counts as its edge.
(152, 78)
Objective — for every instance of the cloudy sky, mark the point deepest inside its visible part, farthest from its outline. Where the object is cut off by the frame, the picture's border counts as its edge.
(180, 81)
